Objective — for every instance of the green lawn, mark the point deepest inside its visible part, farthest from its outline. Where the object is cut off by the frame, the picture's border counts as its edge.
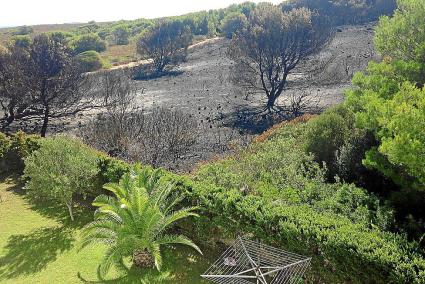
(38, 244)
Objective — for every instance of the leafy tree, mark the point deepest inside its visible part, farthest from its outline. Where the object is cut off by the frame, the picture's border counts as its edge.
(388, 99)
(166, 44)
(396, 115)
(402, 36)
(120, 34)
(60, 169)
(233, 23)
(272, 45)
(88, 42)
(135, 222)
(89, 61)
(41, 82)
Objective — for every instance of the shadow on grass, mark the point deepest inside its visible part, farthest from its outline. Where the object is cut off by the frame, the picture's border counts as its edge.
(30, 253)
(180, 265)
(59, 212)
(12, 182)
(134, 275)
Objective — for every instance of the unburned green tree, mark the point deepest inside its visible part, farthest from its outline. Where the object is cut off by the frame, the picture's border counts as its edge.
(61, 169)
(402, 36)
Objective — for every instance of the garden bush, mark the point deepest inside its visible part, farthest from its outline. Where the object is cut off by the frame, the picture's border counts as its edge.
(327, 133)
(61, 169)
(4, 144)
(14, 149)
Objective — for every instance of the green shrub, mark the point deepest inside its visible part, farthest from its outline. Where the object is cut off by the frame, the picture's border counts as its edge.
(279, 170)
(5, 144)
(61, 36)
(16, 148)
(88, 42)
(89, 61)
(60, 169)
(111, 169)
(327, 133)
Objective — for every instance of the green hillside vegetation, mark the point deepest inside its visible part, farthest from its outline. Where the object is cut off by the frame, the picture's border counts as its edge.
(120, 37)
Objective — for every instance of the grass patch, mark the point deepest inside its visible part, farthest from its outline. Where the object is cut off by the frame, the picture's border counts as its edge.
(120, 54)
(38, 244)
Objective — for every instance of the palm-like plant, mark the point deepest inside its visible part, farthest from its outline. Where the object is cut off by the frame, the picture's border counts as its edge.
(135, 223)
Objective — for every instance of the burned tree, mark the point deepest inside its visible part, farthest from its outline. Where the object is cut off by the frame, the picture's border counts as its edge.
(166, 44)
(40, 83)
(272, 45)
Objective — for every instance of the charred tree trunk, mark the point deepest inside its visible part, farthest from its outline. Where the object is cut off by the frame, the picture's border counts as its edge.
(45, 122)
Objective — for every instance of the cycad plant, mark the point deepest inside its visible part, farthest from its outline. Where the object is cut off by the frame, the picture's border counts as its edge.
(135, 223)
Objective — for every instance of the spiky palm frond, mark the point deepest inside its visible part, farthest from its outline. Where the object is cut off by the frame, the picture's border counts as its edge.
(136, 218)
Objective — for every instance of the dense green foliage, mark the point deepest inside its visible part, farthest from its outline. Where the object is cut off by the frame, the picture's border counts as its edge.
(88, 42)
(276, 191)
(89, 61)
(14, 149)
(402, 36)
(389, 99)
(327, 134)
(136, 222)
(60, 169)
(4, 144)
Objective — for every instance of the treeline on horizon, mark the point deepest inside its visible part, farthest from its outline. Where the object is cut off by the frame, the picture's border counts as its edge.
(209, 23)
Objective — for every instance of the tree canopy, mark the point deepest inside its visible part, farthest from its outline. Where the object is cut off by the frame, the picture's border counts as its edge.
(60, 169)
(389, 97)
